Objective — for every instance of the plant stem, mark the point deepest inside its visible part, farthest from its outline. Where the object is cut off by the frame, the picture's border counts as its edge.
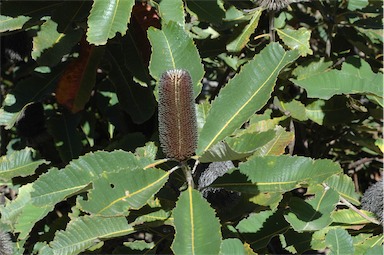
(188, 174)
(353, 208)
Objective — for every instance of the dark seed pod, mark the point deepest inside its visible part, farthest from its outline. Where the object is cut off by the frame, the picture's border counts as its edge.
(218, 197)
(177, 115)
(6, 245)
(373, 200)
(274, 5)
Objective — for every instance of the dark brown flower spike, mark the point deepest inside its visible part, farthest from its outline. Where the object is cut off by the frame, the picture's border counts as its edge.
(177, 115)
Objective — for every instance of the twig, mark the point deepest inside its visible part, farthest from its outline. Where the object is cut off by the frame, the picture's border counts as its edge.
(353, 208)
(188, 174)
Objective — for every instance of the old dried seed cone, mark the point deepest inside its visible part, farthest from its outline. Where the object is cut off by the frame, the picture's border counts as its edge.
(274, 5)
(6, 246)
(177, 115)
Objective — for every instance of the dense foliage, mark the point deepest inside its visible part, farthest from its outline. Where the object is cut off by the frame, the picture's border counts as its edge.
(289, 110)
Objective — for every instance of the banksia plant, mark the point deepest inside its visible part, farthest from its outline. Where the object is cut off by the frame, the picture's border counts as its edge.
(177, 115)
(6, 247)
(274, 5)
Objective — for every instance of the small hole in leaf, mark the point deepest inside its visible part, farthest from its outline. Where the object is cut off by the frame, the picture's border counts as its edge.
(112, 186)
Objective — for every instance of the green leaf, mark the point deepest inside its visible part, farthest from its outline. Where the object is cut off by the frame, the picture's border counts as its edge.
(249, 142)
(19, 163)
(331, 112)
(277, 145)
(202, 110)
(347, 216)
(9, 23)
(210, 11)
(295, 109)
(313, 214)
(83, 232)
(136, 100)
(239, 43)
(172, 48)
(296, 39)
(115, 193)
(284, 173)
(232, 246)
(246, 93)
(313, 68)
(259, 228)
(296, 243)
(26, 91)
(55, 185)
(343, 185)
(21, 213)
(349, 80)
(46, 38)
(354, 5)
(339, 241)
(197, 228)
(63, 128)
(222, 152)
(172, 10)
(107, 18)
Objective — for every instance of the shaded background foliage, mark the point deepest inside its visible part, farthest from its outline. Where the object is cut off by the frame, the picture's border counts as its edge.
(74, 81)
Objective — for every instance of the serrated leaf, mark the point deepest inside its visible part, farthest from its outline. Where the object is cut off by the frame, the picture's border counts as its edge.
(339, 241)
(313, 214)
(197, 228)
(107, 18)
(350, 217)
(284, 173)
(296, 243)
(21, 214)
(354, 5)
(246, 93)
(331, 112)
(259, 228)
(55, 185)
(210, 11)
(296, 39)
(222, 152)
(172, 48)
(348, 80)
(9, 23)
(232, 246)
(172, 10)
(46, 38)
(19, 163)
(116, 193)
(26, 91)
(277, 146)
(249, 142)
(239, 43)
(63, 128)
(83, 232)
(343, 185)
(136, 100)
(295, 109)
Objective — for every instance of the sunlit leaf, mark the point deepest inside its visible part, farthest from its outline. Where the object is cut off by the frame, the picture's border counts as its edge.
(246, 93)
(107, 18)
(197, 228)
(9, 23)
(339, 241)
(172, 48)
(296, 39)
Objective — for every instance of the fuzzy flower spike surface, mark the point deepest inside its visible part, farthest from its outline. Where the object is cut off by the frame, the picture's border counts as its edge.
(177, 115)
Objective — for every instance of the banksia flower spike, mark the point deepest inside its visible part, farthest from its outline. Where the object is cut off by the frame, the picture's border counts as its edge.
(177, 115)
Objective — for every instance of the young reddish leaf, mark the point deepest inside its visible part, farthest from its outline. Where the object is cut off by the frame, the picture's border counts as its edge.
(76, 83)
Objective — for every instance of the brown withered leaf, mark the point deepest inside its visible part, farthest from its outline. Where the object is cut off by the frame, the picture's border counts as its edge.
(76, 84)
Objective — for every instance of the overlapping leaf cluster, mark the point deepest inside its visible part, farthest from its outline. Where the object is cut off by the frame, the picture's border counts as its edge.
(298, 117)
